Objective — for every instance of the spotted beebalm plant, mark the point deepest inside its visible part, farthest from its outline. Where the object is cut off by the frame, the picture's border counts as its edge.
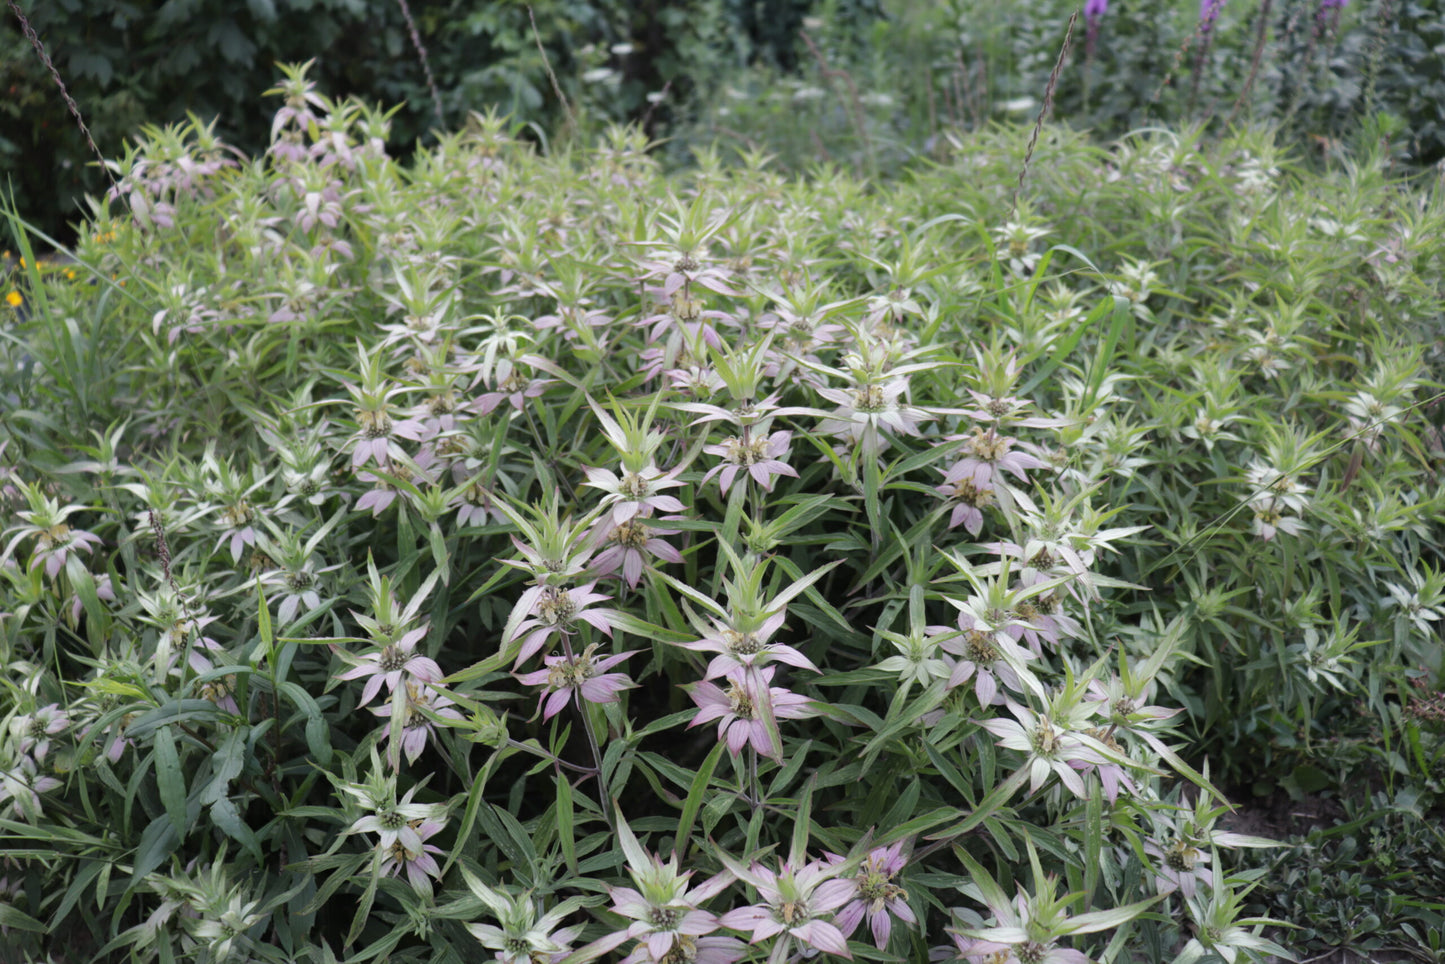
(526, 552)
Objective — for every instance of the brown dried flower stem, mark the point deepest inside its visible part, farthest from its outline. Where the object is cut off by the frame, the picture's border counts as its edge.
(1048, 105)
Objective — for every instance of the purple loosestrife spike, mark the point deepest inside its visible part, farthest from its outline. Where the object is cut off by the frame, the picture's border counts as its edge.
(1209, 12)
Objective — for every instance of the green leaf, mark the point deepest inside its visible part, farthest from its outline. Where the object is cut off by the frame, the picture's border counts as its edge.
(639, 627)
(225, 815)
(440, 555)
(226, 764)
(156, 843)
(318, 731)
(263, 618)
(170, 780)
(565, 822)
(1093, 844)
(1066, 347)
(801, 822)
(1100, 920)
(363, 906)
(695, 796)
(11, 916)
(84, 876)
(990, 804)
(507, 833)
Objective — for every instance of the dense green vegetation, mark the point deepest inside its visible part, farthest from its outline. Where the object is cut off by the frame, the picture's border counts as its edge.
(942, 538)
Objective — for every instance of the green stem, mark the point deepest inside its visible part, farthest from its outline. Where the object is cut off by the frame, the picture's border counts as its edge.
(755, 792)
(592, 744)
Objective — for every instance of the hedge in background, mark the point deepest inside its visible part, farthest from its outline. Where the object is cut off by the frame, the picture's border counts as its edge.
(1324, 73)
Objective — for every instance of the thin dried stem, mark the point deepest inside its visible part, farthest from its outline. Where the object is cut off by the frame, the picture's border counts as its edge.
(829, 74)
(1383, 17)
(436, 97)
(551, 75)
(1260, 34)
(1183, 49)
(654, 104)
(34, 39)
(1043, 111)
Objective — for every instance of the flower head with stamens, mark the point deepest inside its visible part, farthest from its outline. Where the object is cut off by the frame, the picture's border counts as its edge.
(391, 664)
(1050, 748)
(416, 728)
(377, 434)
(636, 493)
(582, 675)
(36, 729)
(739, 646)
(867, 408)
(526, 935)
(741, 712)
(878, 898)
(623, 546)
(22, 785)
(795, 904)
(666, 917)
(986, 454)
(418, 861)
(391, 820)
(759, 456)
(553, 610)
(1180, 866)
(55, 540)
(511, 385)
(969, 500)
(986, 657)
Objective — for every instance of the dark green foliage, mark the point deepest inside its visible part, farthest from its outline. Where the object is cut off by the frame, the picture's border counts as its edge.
(1340, 883)
(1412, 77)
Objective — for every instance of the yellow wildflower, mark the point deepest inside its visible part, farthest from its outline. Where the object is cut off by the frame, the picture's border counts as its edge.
(14, 299)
